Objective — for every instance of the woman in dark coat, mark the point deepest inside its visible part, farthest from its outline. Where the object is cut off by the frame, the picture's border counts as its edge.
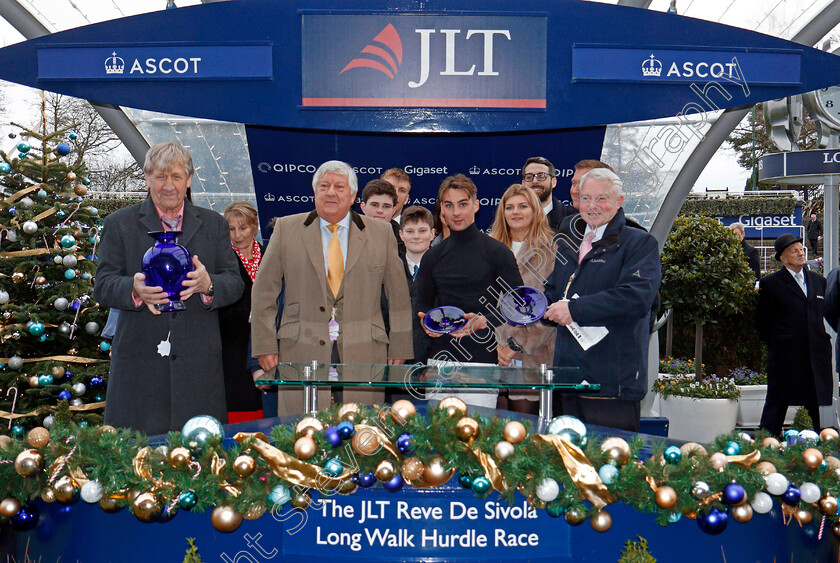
(235, 319)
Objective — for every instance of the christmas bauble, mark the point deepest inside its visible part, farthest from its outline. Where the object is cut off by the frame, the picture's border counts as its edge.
(187, 499)
(66, 490)
(809, 436)
(104, 345)
(601, 522)
(802, 516)
(23, 146)
(742, 513)
(72, 136)
(64, 328)
(366, 480)
(308, 426)
(305, 448)
(5, 167)
(402, 410)
(79, 389)
(15, 362)
(147, 507)
(827, 434)
(792, 495)
(244, 465)
(199, 430)
(608, 473)
(26, 518)
(41, 194)
(394, 484)
(110, 504)
(332, 468)
(718, 461)
(514, 432)
(80, 189)
(548, 490)
(29, 463)
(96, 382)
(453, 406)
(480, 485)
(9, 507)
(560, 424)
(672, 454)
(48, 495)
(70, 274)
(92, 491)
(17, 431)
(18, 277)
(348, 411)
(555, 509)
(385, 470)
(70, 261)
(828, 505)
(810, 492)
(35, 381)
(345, 429)
(466, 429)
(712, 521)
(40, 280)
(302, 500)
(331, 434)
(775, 483)
(48, 421)
(770, 442)
(26, 203)
(67, 241)
(44, 379)
(37, 329)
(504, 450)
(4, 297)
(765, 468)
(575, 516)
(700, 490)
(436, 473)
(61, 304)
(812, 457)
(734, 494)
(255, 511)
(60, 214)
(63, 149)
(38, 437)
(665, 497)
(279, 495)
(30, 227)
(365, 442)
(412, 468)
(93, 211)
(732, 448)
(86, 181)
(405, 444)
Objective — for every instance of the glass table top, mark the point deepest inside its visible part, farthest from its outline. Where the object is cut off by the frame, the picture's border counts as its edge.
(420, 376)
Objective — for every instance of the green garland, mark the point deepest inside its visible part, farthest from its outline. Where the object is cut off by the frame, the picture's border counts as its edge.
(734, 207)
(106, 455)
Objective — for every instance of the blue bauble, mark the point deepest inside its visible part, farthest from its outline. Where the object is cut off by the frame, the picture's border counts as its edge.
(332, 467)
(68, 373)
(187, 500)
(36, 329)
(23, 146)
(199, 430)
(67, 241)
(5, 167)
(45, 379)
(465, 480)
(792, 495)
(555, 509)
(96, 382)
(279, 495)
(713, 521)
(104, 345)
(12, 210)
(166, 514)
(75, 304)
(60, 214)
(65, 394)
(69, 274)
(26, 518)
(608, 473)
(394, 484)
(63, 149)
(72, 136)
(481, 485)
(17, 430)
(791, 436)
(366, 480)
(346, 429)
(732, 448)
(405, 444)
(734, 494)
(331, 434)
(673, 454)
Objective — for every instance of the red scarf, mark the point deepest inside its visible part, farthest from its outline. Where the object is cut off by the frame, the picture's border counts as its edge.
(252, 264)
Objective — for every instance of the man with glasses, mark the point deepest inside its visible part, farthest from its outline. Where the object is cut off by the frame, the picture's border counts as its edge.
(540, 175)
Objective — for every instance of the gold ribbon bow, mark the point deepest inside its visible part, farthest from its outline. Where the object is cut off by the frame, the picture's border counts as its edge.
(491, 471)
(217, 464)
(583, 475)
(745, 460)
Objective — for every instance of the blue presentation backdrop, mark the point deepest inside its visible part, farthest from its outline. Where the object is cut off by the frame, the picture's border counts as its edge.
(283, 163)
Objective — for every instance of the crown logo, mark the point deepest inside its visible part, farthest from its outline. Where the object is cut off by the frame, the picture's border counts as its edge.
(269, 197)
(651, 67)
(114, 64)
(475, 170)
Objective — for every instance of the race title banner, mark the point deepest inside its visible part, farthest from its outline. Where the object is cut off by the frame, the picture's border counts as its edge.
(424, 61)
(163, 61)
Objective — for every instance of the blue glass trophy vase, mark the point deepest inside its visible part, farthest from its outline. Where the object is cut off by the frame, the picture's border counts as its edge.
(166, 264)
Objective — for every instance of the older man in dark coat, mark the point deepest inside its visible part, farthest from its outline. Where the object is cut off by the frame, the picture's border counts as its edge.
(789, 318)
(166, 367)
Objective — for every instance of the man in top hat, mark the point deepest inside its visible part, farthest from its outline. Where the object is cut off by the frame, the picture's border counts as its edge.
(789, 318)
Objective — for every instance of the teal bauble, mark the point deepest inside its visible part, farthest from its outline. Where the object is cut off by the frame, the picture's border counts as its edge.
(17, 431)
(41, 194)
(200, 430)
(555, 509)
(187, 500)
(86, 276)
(60, 214)
(69, 274)
(481, 485)
(332, 467)
(465, 479)
(5, 167)
(732, 448)
(36, 329)
(23, 146)
(93, 211)
(45, 379)
(279, 495)
(673, 454)
(608, 473)
(67, 241)
(104, 345)
(99, 397)
(72, 136)
(86, 181)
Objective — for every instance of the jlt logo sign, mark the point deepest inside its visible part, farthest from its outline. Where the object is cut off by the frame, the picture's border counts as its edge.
(494, 61)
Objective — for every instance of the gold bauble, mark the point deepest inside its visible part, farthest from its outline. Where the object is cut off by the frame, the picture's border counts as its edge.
(466, 429)
(348, 411)
(770, 442)
(226, 519)
(38, 437)
(29, 463)
(689, 447)
(365, 442)
(812, 457)
(146, 507)
(5, 441)
(402, 410)
(802, 516)
(255, 510)
(436, 473)
(828, 505)
(742, 513)
(80, 189)
(665, 497)
(305, 448)
(765, 468)
(514, 432)
(48, 495)
(601, 522)
(17, 277)
(40, 280)
(130, 495)
(9, 507)
(308, 426)
(412, 469)
(71, 176)
(575, 516)
(385, 470)
(827, 434)
(617, 449)
(504, 450)
(244, 465)
(110, 504)
(66, 490)
(107, 429)
(302, 500)
(832, 462)
(57, 371)
(453, 406)
(33, 382)
(718, 461)
(180, 457)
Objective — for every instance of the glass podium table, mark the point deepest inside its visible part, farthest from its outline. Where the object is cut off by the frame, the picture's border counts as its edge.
(421, 380)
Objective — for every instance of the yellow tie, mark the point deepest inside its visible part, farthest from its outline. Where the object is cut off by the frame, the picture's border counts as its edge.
(335, 261)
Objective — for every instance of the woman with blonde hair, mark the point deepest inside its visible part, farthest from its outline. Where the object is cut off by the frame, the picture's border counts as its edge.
(522, 226)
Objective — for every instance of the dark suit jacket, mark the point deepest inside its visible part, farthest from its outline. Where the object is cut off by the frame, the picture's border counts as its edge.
(797, 344)
(753, 260)
(558, 213)
(147, 391)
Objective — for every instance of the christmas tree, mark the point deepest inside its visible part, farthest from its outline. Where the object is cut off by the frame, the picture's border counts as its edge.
(50, 348)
